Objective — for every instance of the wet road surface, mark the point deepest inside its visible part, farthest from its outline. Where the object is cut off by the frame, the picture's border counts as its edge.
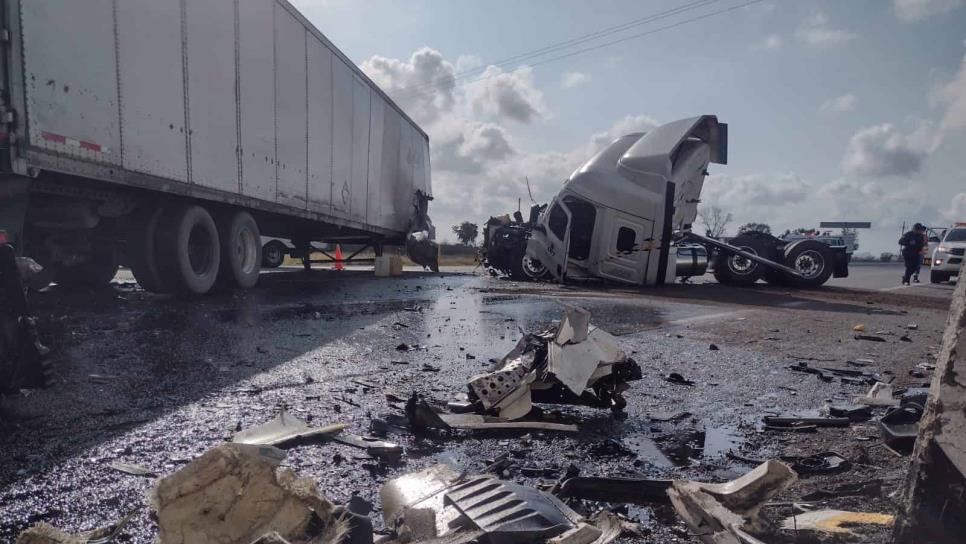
(156, 381)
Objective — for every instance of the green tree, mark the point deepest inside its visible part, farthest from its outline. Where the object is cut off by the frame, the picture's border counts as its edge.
(466, 232)
(886, 257)
(754, 227)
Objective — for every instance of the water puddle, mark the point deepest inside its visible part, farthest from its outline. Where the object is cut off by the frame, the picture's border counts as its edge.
(683, 448)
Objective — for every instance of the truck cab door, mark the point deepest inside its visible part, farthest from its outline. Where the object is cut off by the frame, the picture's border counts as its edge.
(551, 238)
(628, 246)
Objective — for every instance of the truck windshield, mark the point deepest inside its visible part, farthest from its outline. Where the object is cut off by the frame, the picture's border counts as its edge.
(956, 235)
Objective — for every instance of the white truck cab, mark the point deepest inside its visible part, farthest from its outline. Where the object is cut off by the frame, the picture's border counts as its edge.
(615, 215)
(947, 259)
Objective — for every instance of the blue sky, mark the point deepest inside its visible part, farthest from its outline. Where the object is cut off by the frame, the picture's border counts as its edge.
(838, 110)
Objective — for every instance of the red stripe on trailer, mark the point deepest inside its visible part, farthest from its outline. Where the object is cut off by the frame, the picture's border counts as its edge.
(61, 139)
(54, 137)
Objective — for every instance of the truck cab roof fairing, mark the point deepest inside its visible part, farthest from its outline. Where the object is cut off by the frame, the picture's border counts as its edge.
(643, 160)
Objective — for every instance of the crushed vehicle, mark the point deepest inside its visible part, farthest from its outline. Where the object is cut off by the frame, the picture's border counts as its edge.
(626, 216)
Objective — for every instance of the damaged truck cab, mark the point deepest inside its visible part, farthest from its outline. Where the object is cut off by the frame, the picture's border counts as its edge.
(615, 216)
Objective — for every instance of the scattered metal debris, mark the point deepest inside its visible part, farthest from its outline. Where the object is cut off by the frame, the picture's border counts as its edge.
(869, 337)
(899, 427)
(285, 430)
(134, 470)
(778, 421)
(820, 463)
(574, 363)
(835, 521)
(44, 533)
(641, 491)
(879, 395)
(422, 416)
(723, 513)
(872, 488)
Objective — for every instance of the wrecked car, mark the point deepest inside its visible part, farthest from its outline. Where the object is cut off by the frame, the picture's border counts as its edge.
(626, 215)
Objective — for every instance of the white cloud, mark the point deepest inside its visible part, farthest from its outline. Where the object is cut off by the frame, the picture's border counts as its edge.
(817, 32)
(846, 102)
(574, 79)
(623, 127)
(501, 95)
(882, 150)
(952, 96)
(957, 208)
(466, 146)
(466, 63)
(770, 42)
(911, 11)
(423, 86)
(734, 192)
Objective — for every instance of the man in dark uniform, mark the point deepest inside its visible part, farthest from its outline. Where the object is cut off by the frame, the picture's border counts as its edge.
(912, 243)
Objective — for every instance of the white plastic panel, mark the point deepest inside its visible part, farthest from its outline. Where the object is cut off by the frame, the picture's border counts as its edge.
(67, 98)
(320, 126)
(211, 94)
(391, 136)
(256, 72)
(290, 111)
(342, 139)
(152, 87)
(360, 150)
(376, 128)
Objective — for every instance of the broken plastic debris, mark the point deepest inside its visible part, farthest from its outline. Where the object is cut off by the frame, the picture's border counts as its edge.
(722, 513)
(134, 470)
(284, 430)
(879, 395)
(44, 533)
(859, 328)
(835, 521)
(234, 494)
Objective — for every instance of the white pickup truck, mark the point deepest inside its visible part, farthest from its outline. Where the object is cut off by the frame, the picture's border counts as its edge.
(947, 259)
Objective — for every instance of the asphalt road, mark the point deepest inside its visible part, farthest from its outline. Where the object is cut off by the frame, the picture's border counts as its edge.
(887, 277)
(156, 381)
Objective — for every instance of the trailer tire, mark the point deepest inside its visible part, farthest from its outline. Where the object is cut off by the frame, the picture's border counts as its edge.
(142, 251)
(188, 251)
(273, 254)
(241, 250)
(812, 259)
(738, 271)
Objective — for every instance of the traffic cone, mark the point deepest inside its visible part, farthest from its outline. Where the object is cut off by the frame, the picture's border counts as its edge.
(338, 257)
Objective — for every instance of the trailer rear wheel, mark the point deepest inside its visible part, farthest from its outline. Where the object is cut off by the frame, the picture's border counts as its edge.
(142, 251)
(241, 250)
(188, 251)
(812, 259)
(732, 269)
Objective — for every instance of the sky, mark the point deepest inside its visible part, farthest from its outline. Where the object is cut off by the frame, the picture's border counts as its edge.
(837, 111)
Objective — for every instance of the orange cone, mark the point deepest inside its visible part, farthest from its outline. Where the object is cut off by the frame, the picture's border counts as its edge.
(338, 257)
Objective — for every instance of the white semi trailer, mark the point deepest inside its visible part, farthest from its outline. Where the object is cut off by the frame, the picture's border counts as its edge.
(169, 135)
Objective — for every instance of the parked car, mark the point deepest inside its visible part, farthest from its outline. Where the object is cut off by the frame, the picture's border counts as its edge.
(947, 259)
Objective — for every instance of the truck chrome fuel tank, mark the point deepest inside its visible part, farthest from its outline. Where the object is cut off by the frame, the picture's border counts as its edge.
(692, 260)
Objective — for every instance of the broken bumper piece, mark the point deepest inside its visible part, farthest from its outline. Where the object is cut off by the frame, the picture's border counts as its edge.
(439, 505)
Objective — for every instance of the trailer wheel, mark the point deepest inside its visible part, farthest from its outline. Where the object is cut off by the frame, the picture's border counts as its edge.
(812, 259)
(142, 251)
(241, 250)
(732, 269)
(188, 251)
(273, 254)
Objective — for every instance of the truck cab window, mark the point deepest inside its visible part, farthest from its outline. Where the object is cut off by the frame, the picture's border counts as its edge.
(557, 221)
(626, 240)
(583, 217)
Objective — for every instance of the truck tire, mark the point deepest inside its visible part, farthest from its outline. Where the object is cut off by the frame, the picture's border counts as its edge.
(241, 250)
(141, 250)
(730, 269)
(273, 254)
(936, 276)
(95, 273)
(188, 252)
(812, 259)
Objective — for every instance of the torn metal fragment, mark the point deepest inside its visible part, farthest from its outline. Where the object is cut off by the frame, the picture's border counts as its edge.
(835, 521)
(134, 470)
(283, 431)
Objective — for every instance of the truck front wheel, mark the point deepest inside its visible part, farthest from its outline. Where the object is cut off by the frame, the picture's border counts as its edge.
(188, 251)
(241, 250)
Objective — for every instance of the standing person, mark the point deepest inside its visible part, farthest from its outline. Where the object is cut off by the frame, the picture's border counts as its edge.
(922, 256)
(912, 244)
